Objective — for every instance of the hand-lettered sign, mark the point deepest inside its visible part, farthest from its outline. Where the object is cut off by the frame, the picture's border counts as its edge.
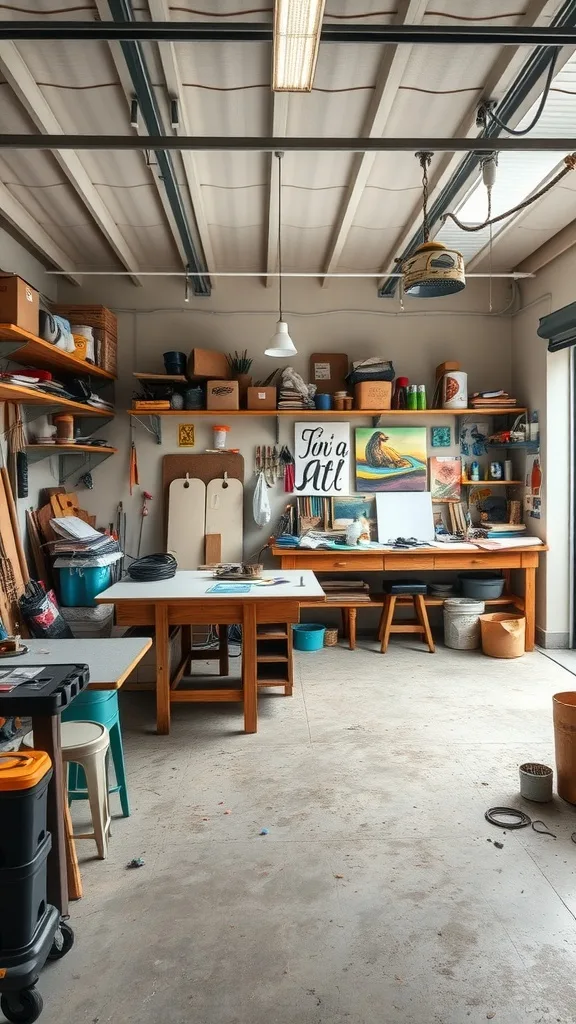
(322, 455)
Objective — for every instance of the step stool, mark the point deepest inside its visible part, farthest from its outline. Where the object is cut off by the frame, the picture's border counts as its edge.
(405, 591)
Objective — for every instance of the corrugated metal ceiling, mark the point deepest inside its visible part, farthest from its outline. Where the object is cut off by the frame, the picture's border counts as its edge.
(227, 92)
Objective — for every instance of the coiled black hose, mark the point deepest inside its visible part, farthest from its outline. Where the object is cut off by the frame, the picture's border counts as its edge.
(152, 567)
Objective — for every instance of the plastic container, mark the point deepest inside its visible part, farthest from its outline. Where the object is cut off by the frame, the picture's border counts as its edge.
(455, 390)
(24, 778)
(81, 586)
(220, 436)
(323, 401)
(421, 396)
(462, 623)
(564, 708)
(412, 396)
(481, 585)
(175, 362)
(64, 423)
(536, 782)
(399, 396)
(503, 635)
(308, 636)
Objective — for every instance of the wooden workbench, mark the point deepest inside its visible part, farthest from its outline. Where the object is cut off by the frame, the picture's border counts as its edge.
(433, 559)
(185, 600)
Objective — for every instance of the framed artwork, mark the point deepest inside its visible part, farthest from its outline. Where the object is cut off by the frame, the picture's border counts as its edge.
(440, 437)
(348, 509)
(473, 438)
(391, 459)
(322, 457)
(445, 477)
(186, 435)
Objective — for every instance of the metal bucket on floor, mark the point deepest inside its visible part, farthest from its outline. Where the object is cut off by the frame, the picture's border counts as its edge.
(462, 623)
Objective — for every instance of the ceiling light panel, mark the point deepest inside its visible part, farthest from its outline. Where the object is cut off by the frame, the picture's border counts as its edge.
(297, 27)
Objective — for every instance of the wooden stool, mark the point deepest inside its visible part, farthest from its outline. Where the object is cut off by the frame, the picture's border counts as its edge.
(405, 592)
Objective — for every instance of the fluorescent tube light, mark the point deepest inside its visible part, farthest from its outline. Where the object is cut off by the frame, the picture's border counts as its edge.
(297, 27)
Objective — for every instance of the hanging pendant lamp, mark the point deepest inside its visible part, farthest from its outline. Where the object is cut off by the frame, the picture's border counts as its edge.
(281, 345)
(433, 270)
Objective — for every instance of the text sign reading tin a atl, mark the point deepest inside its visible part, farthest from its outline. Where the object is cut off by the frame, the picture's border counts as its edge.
(322, 456)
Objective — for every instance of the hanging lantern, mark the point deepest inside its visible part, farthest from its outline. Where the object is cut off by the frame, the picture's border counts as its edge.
(433, 270)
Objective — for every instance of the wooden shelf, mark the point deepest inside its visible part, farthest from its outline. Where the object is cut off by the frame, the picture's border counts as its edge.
(491, 483)
(28, 396)
(34, 351)
(162, 378)
(320, 414)
(69, 449)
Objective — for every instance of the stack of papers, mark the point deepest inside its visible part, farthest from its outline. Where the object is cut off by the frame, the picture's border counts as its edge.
(82, 545)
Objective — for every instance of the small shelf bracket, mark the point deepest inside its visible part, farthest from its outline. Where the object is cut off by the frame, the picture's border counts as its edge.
(153, 426)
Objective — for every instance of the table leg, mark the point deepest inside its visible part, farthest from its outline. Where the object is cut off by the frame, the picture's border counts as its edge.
(352, 628)
(162, 669)
(223, 642)
(75, 891)
(186, 641)
(249, 668)
(46, 729)
(530, 606)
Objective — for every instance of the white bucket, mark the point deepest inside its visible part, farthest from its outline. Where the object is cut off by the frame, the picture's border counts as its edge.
(462, 623)
(455, 390)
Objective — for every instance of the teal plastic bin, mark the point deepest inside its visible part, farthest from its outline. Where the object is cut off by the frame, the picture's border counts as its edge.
(309, 636)
(79, 587)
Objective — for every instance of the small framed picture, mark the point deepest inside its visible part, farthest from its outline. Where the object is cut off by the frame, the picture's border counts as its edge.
(347, 509)
(440, 437)
(186, 437)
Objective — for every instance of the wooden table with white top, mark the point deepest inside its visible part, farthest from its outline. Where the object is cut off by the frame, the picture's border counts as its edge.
(110, 660)
(185, 600)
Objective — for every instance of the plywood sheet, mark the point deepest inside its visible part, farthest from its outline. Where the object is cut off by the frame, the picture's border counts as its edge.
(207, 466)
(225, 515)
(186, 522)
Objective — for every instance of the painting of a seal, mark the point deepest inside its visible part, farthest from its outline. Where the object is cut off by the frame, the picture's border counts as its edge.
(378, 453)
(391, 459)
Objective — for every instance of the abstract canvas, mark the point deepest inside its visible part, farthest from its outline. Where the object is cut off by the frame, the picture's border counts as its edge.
(445, 477)
(391, 459)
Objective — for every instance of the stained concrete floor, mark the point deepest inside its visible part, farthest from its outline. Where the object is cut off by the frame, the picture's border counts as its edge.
(377, 895)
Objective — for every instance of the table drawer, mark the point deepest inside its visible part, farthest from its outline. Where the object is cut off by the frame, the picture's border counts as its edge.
(408, 562)
(484, 561)
(344, 563)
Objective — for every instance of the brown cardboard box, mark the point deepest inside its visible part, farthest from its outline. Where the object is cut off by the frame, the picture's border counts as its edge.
(262, 398)
(373, 394)
(222, 394)
(328, 371)
(19, 303)
(206, 363)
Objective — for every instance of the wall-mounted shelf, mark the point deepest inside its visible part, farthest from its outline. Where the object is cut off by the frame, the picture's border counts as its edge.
(68, 456)
(491, 483)
(521, 445)
(318, 413)
(162, 378)
(30, 350)
(36, 403)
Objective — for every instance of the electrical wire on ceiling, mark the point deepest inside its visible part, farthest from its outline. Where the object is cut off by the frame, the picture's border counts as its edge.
(486, 111)
(488, 175)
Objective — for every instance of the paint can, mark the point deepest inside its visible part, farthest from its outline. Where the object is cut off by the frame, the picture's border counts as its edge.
(455, 390)
(220, 434)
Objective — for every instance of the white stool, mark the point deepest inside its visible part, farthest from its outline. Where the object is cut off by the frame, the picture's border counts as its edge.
(87, 744)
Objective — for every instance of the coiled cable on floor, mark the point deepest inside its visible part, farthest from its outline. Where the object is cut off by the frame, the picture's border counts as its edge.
(152, 567)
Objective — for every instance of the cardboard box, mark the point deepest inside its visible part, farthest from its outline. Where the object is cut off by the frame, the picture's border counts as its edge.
(262, 398)
(222, 394)
(19, 303)
(328, 371)
(373, 394)
(205, 363)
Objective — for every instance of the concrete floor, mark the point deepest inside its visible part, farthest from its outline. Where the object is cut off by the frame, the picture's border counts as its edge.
(376, 896)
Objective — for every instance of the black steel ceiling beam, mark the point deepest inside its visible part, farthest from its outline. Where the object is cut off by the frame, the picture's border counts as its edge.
(533, 70)
(255, 32)
(152, 117)
(304, 144)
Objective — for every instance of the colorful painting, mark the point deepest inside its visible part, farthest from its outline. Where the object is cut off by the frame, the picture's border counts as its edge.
(445, 477)
(347, 510)
(440, 437)
(473, 437)
(391, 459)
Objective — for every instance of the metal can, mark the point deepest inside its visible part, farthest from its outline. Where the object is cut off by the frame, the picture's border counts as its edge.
(421, 396)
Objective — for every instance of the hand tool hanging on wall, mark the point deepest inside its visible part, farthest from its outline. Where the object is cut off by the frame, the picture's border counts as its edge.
(134, 480)
(286, 459)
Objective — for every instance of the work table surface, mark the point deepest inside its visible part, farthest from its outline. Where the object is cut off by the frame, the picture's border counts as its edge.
(110, 660)
(189, 585)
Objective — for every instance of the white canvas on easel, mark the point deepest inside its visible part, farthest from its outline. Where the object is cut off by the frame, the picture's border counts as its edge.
(404, 514)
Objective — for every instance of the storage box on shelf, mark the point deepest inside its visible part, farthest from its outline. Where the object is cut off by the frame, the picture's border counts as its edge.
(19, 303)
(105, 325)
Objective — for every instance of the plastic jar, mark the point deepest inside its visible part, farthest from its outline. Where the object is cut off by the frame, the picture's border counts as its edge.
(462, 623)
(220, 437)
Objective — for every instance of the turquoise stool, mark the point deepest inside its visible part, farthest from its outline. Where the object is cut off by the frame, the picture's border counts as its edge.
(99, 706)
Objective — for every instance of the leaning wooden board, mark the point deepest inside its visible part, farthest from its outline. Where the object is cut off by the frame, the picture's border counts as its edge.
(206, 467)
(11, 549)
(186, 522)
(225, 515)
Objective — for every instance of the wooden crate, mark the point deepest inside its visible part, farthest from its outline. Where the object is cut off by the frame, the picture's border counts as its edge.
(105, 325)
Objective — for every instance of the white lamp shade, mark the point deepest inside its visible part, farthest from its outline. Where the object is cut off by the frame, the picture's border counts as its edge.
(281, 345)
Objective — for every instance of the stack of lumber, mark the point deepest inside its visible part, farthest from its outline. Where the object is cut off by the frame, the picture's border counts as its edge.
(346, 590)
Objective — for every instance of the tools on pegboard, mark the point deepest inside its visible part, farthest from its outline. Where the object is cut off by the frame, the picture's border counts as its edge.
(275, 464)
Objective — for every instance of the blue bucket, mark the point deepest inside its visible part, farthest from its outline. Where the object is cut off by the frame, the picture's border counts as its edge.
(79, 587)
(309, 636)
